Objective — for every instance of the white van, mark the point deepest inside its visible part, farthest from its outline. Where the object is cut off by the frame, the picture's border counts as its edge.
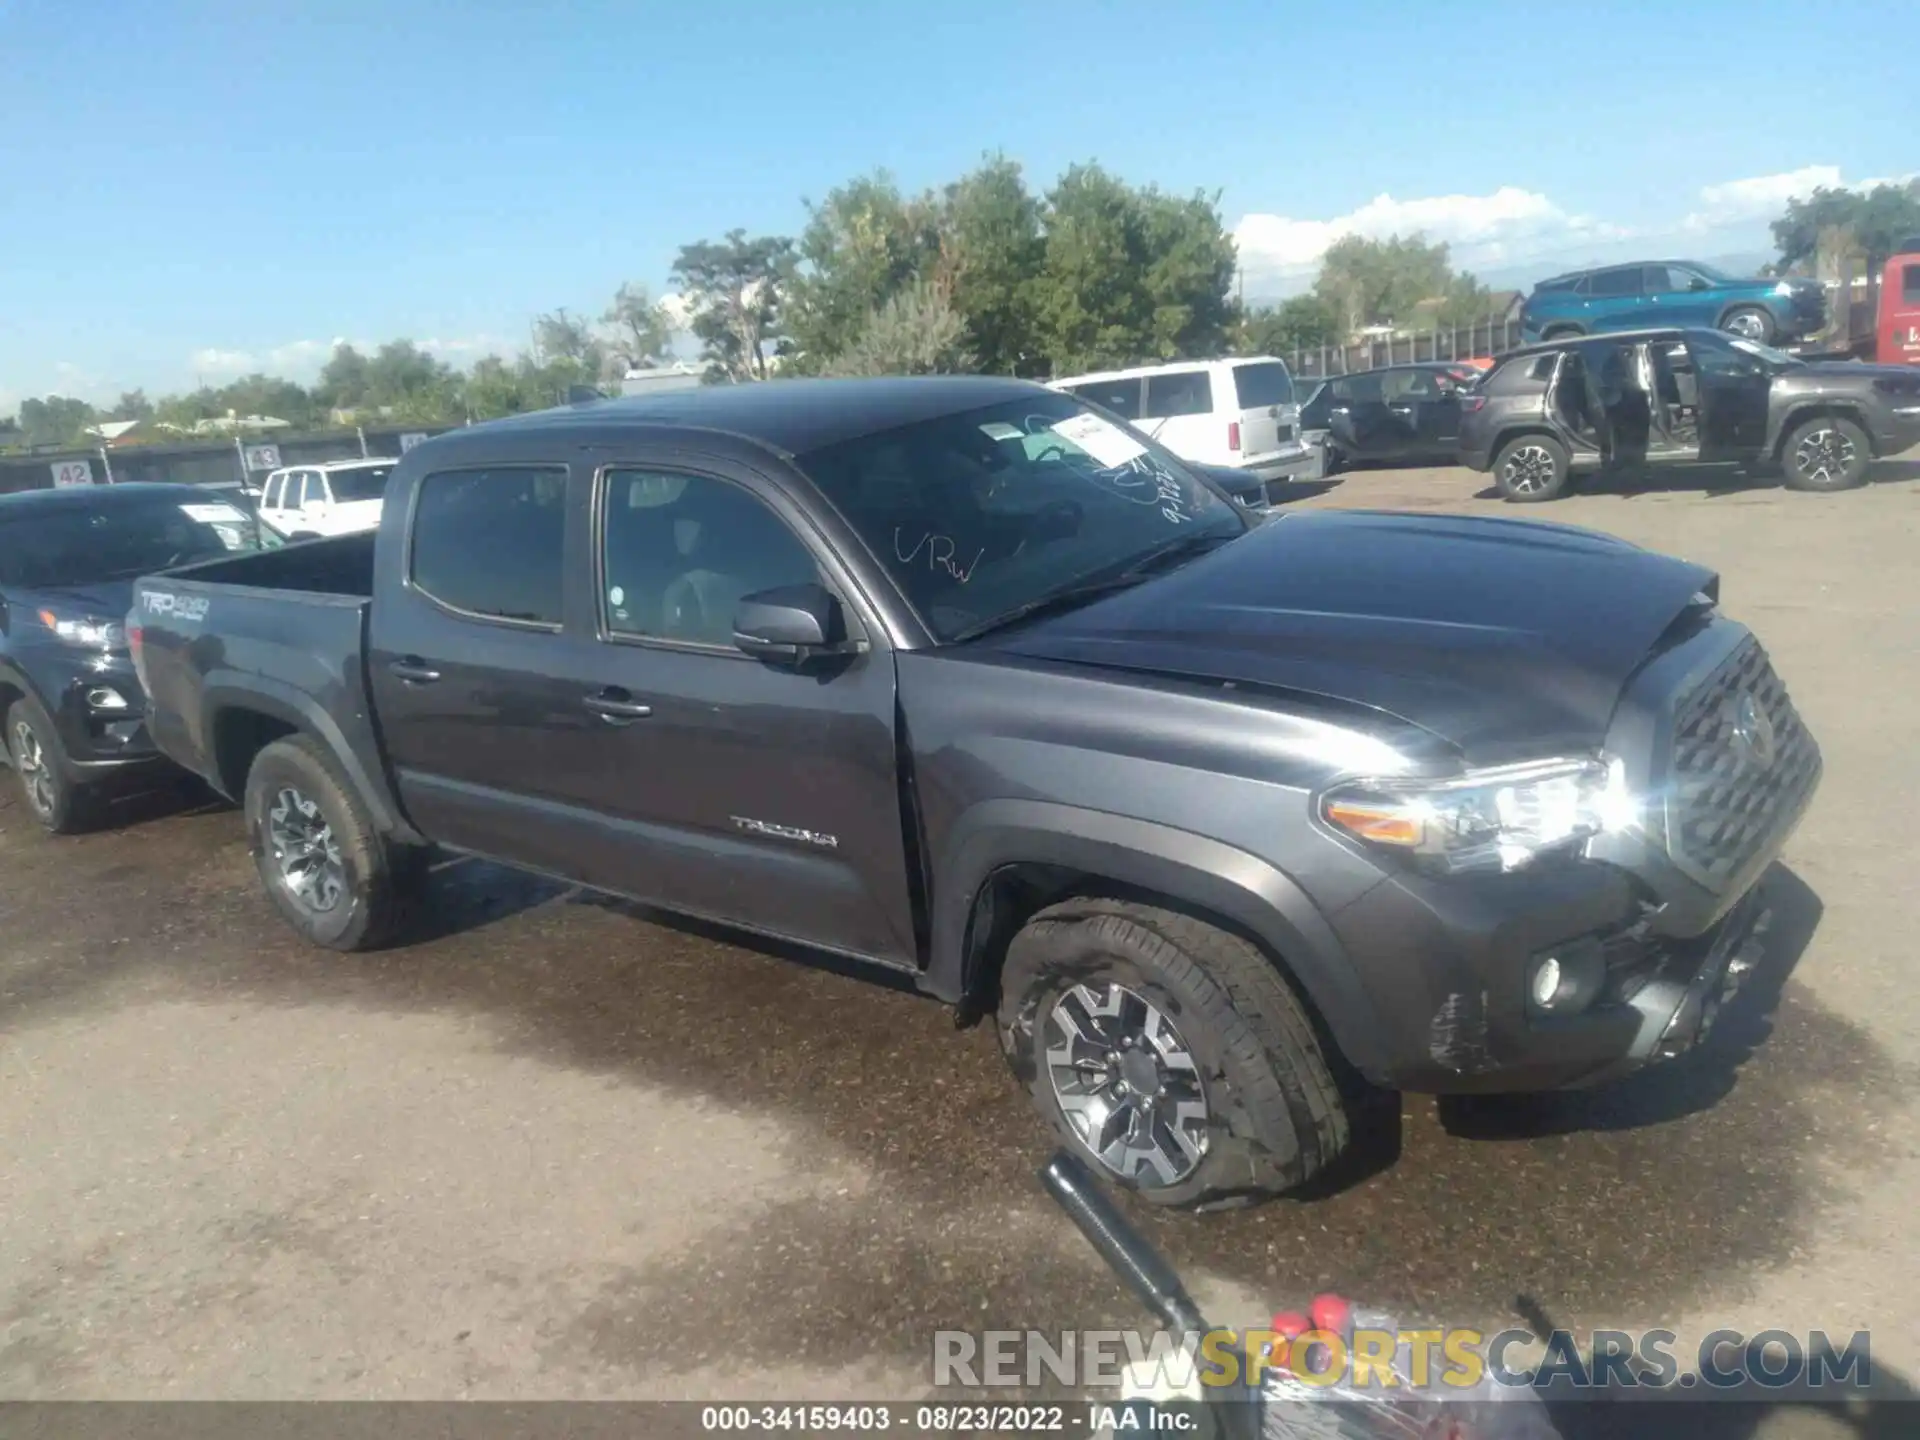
(1214, 412)
(303, 502)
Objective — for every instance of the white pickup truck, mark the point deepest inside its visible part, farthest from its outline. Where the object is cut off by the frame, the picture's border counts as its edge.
(338, 497)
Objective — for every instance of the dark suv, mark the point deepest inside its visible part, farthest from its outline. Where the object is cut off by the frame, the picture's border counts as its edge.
(1682, 397)
(73, 708)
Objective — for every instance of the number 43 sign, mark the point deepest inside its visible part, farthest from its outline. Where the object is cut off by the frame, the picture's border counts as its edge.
(72, 472)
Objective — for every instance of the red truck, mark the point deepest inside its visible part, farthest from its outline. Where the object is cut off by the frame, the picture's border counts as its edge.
(1896, 331)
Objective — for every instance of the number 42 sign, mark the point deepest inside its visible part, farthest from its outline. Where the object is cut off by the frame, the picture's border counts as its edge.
(72, 472)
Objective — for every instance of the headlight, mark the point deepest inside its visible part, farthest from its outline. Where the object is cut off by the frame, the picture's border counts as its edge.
(1493, 819)
(92, 633)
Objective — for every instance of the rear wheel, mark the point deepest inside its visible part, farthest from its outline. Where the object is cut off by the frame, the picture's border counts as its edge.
(1531, 468)
(1560, 332)
(1749, 322)
(39, 763)
(1828, 452)
(1170, 1053)
(326, 868)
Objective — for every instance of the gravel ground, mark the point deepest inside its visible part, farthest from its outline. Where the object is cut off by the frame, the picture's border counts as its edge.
(561, 1148)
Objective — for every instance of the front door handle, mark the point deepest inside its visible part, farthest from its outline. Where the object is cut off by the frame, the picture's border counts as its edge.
(413, 670)
(616, 706)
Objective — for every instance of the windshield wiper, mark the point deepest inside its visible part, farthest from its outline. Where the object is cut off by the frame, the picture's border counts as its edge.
(1179, 549)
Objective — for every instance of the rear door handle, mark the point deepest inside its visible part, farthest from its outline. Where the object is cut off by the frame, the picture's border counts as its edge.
(413, 670)
(616, 706)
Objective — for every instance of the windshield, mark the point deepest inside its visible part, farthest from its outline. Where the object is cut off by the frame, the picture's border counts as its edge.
(982, 514)
(76, 546)
(1713, 273)
(362, 482)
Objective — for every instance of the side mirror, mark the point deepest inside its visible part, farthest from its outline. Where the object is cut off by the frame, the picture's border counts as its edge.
(1699, 284)
(788, 624)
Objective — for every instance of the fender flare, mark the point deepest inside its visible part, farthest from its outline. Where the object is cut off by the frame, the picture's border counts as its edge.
(1807, 409)
(226, 690)
(1192, 869)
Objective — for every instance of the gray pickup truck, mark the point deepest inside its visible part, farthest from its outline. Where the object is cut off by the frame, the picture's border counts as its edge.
(1231, 822)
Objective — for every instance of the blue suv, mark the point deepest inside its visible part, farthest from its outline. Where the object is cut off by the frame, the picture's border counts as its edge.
(1654, 295)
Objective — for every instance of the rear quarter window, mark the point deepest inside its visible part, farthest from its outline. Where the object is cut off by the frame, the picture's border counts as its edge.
(1179, 392)
(1122, 397)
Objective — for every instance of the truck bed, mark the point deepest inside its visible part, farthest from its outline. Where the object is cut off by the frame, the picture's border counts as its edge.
(277, 636)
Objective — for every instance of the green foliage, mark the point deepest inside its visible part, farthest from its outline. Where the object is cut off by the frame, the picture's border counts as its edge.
(862, 245)
(57, 420)
(133, 405)
(1130, 275)
(734, 289)
(1303, 322)
(1878, 220)
(914, 332)
(1379, 282)
(642, 333)
(990, 256)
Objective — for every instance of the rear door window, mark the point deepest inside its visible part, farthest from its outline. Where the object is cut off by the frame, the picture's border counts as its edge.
(1615, 284)
(1265, 384)
(1122, 397)
(1407, 385)
(489, 543)
(1178, 392)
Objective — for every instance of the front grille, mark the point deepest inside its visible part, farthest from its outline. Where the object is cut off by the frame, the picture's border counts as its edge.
(1732, 792)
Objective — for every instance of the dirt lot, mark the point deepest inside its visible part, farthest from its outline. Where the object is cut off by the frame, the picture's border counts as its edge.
(559, 1149)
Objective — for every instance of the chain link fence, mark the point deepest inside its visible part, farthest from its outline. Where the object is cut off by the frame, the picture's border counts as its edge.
(1458, 342)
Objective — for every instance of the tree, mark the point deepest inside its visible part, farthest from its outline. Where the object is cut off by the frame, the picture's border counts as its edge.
(1376, 282)
(343, 379)
(734, 290)
(493, 389)
(991, 255)
(862, 245)
(1879, 221)
(56, 420)
(1304, 322)
(1130, 274)
(133, 405)
(915, 332)
(644, 334)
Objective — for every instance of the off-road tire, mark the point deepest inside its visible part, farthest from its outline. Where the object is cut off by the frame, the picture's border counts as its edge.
(1853, 473)
(1276, 1117)
(69, 808)
(1550, 487)
(376, 877)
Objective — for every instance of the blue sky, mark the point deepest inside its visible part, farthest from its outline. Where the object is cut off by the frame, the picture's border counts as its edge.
(195, 187)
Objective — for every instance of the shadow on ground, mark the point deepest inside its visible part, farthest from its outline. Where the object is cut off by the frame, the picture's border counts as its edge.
(1595, 1204)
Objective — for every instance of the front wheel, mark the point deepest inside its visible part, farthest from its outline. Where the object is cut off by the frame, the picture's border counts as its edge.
(1531, 469)
(1827, 453)
(1170, 1053)
(326, 868)
(1749, 322)
(39, 763)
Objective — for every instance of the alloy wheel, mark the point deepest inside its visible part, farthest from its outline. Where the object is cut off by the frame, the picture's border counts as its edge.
(1748, 325)
(36, 777)
(305, 851)
(1824, 456)
(1528, 470)
(1127, 1083)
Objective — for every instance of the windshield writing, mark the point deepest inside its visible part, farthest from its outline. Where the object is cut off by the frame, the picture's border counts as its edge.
(981, 514)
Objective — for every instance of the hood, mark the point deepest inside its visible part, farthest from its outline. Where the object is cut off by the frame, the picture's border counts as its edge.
(1508, 639)
(1850, 370)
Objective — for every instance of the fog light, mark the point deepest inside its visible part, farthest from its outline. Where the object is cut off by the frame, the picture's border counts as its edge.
(105, 697)
(1565, 980)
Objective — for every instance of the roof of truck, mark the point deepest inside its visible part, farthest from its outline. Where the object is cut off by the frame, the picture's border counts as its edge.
(792, 416)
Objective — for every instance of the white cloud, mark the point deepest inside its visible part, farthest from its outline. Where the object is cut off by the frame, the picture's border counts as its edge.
(1506, 226)
(1758, 197)
(302, 360)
